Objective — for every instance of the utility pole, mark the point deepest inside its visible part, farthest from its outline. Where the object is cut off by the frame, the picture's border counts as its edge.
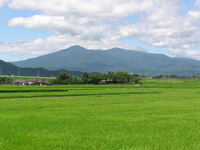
(38, 74)
(196, 75)
(18, 71)
(143, 73)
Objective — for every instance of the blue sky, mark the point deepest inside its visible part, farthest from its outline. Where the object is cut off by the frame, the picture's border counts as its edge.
(18, 33)
(30, 29)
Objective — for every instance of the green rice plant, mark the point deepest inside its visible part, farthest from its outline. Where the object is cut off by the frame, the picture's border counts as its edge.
(104, 117)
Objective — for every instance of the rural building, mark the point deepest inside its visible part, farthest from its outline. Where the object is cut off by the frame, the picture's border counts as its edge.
(19, 82)
(31, 82)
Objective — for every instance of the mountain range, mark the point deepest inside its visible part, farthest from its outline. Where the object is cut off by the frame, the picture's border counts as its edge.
(10, 69)
(114, 60)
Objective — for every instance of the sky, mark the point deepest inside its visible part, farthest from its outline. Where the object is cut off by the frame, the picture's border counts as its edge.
(37, 27)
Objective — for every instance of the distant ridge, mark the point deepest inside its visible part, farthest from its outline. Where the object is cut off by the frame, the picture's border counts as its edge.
(115, 59)
(10, 69)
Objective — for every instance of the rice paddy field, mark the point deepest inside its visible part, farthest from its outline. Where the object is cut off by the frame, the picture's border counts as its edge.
(160, 114)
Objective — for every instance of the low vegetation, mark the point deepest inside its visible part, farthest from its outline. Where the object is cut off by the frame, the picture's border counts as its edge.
(162, 114)
(6, 80)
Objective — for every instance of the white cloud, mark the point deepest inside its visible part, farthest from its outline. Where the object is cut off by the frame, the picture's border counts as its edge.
(95, 24)
(92, 8)
(195, 14)
(165, 27)
(187, 53)
(56, 24)
(197, 3)
(54, 43)
(61, 25)
(90, 19)
(2, 2)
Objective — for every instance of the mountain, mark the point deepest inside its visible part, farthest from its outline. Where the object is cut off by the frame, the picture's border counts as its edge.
(116, 59)
(10, 69)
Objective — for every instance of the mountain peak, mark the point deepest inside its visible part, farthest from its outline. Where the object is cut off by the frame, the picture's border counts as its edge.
(116, 59)
(76, 47)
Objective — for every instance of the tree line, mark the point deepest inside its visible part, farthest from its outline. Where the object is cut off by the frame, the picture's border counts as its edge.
(98, 78)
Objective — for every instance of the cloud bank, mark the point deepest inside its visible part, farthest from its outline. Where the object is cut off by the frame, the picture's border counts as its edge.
(97, 24)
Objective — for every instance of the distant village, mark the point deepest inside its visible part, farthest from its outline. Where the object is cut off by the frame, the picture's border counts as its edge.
(87, 78)
(31, 82)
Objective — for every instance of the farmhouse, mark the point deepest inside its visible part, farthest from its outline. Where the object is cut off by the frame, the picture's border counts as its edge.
(31, 82)
(19, 82)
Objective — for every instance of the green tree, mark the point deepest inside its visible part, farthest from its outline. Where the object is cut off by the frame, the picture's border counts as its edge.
(64, 76)
(94, 78)
(85, 77)
(123, 77)
(111, 77)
